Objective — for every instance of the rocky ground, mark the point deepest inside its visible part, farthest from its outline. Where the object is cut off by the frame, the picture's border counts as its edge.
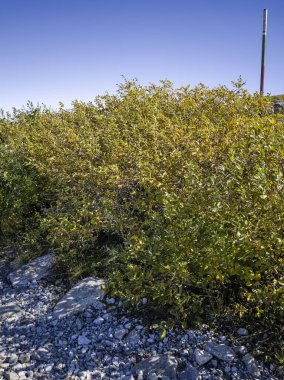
(103, 342)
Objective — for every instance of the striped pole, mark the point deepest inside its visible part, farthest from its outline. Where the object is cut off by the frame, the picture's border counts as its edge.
(264, 32)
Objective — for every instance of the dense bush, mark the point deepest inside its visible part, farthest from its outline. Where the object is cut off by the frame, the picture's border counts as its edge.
(173, 194)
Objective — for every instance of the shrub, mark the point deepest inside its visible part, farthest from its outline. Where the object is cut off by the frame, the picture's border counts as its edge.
(174, 194)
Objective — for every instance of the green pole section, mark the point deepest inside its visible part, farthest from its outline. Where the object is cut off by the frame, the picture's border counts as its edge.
(264, 32)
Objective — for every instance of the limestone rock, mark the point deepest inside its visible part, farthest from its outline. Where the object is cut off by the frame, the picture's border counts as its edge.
(82, 295)
(251, 366)
(11, 309)
(25, 358)
(132, 338)
(190, 373)
(240, 350)
(99, 321)
(33, 271)
(162, 365)
(13, 359)
(11, 375)
(202, 356)
(220, 351)
(152, 376)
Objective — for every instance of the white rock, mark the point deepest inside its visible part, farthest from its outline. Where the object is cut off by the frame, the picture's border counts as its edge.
(13, 359)
(25, 358)
(33, 271)
(11, 375)
(82, 295)
(221, 351)
(202, 356)
(11, 309)
(152, 376)
(49, 368)
(240, 350)
(163, 365)
(99, 321)
(140, 375)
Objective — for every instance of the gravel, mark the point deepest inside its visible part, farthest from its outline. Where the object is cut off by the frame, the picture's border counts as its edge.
(103, 342)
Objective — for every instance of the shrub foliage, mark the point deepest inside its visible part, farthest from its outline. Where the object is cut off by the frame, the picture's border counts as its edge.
(173, 194)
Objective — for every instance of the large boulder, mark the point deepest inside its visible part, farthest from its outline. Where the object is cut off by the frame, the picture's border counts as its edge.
(33, 271)
(82, 295)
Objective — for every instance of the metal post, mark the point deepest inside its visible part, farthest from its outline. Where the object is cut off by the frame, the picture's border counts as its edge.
(263, 50)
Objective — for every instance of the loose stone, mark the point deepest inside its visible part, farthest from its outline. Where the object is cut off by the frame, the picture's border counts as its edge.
(10, 309)
(220, 351)
(202, 356)
(97, 340)
(31, 272)
(165, 365)
(251, 366)
(13, 359)
(242, 331)
(99, 321)
(240, 350)
(84, 294)
(11, 375)
(83, 341)
(120, 333)
(190, 373)
(24, 358)
(110, 301)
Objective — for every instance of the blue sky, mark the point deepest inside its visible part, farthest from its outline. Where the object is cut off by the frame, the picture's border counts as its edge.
(61, 50)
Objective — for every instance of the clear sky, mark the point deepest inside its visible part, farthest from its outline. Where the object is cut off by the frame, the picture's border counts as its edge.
(61, 50)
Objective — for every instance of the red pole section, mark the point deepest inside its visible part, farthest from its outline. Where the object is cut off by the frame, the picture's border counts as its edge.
(264, 33)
